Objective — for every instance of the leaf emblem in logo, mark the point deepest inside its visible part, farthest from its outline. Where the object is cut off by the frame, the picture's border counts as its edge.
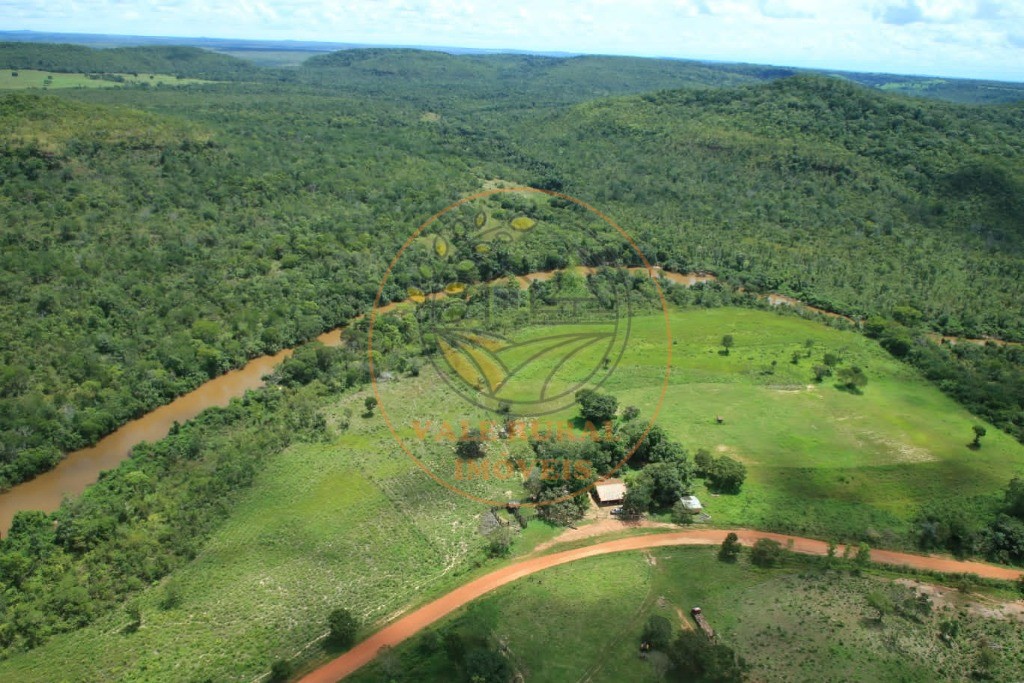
(490, 363)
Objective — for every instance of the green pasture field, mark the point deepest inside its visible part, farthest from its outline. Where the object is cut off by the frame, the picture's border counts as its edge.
(356, 523)
(29, 78)
(584, 620)
(822, 461)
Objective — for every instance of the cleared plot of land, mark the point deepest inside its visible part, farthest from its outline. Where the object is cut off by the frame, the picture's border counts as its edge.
(822, 462)
(584, 621)
(28, 78)
(356, 523)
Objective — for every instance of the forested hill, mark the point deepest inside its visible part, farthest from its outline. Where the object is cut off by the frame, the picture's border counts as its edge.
(519, 80)
(854, 200)
(187, 62)
(502, 78)
(534, 79)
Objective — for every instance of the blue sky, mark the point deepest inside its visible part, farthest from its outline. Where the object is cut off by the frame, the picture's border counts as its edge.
(967, 38)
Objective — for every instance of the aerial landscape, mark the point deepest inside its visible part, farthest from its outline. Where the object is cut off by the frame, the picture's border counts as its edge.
(549, 342)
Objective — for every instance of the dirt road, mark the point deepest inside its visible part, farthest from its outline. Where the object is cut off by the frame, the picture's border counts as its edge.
(410, 624)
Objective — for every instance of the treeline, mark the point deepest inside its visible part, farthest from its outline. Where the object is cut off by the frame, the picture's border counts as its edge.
(176, 60)
(987, 379)
(987, 527)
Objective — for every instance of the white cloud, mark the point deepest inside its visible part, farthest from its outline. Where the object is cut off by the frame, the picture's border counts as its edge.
(981, 38)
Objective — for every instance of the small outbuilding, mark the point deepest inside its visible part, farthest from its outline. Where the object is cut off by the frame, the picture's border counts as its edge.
(610, 492)
(691, 504)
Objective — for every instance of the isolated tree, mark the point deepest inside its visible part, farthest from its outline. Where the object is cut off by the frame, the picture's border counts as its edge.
(727, 343)
(471, 445)
(881, 603)
(370, 403)
(171, 596)
(852, 378)
(987, 659)
(630, 413)
(915, 607)
(979, 432)
(821, 372)
(343, 626)
(595, 407)
(134, 617)
(499, 542)
(657, 632)
(766, 553)
(730, 549)
(727, 475)
(280, 671)
(830, 360)
(703, 462)
(863, 555)
(949, 629)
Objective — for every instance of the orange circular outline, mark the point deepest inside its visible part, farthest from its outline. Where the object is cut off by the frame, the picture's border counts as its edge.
(376, 306)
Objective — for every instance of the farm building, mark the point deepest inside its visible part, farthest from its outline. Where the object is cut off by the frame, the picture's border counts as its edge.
(691, 504)
(610, 492)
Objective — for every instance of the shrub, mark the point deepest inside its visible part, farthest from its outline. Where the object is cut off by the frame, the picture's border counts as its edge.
(343, 627)
(766, 552)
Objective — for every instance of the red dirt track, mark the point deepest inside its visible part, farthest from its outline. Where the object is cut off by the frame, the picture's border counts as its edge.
(410, 624)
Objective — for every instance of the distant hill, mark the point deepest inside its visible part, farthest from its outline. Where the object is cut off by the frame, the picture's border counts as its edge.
(517, 79)
(573, 78)
(176, 60)
(563, 76)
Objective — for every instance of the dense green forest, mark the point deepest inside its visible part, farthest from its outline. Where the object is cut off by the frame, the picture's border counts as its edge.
(155, 239)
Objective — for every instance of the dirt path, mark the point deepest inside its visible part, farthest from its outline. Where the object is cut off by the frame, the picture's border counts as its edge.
(415, 621)
(599, 528)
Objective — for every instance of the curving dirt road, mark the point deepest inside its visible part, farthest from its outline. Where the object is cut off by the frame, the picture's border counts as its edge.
(410, 624)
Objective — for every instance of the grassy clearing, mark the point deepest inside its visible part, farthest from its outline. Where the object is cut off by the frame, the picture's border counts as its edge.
(356, 523)
(584, 620)
(29, 78)
(822, 462)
